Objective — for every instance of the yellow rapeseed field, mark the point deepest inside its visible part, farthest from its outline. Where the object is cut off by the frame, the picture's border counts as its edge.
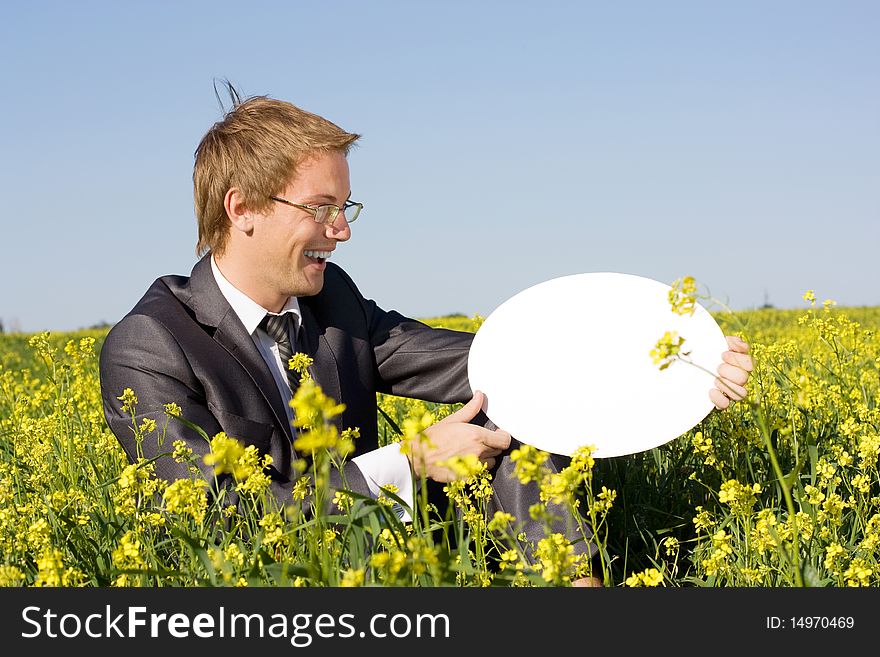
(781, 489)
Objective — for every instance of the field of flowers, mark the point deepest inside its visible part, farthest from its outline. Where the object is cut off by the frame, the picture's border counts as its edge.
(779, 490)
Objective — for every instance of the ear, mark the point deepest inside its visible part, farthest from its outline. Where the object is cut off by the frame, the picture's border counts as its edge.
(239, 216)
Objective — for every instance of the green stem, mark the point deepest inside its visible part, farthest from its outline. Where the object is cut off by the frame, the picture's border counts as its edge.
(786, 492)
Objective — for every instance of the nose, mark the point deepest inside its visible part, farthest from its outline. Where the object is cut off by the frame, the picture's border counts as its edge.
(339, 229)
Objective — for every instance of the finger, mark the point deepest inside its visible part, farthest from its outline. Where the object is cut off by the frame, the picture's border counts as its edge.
(742, 361)
(490, 463)
(721, 402)
(730, 389)
(737, 344)
(498, 439)
(467, 412)
(733, 374)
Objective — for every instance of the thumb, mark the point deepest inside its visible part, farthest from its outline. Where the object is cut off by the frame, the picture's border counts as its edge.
(467, 412)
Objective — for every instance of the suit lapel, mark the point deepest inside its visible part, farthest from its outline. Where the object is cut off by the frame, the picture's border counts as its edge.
(325, 370)
(232, 335)
(212, 309)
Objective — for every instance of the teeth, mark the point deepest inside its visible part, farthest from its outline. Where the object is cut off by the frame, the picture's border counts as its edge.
(318, 254)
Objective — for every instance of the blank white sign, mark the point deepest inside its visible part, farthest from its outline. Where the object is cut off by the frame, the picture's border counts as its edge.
(567, 363)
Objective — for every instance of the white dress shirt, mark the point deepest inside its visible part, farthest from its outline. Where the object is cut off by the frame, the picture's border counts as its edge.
(382, 466)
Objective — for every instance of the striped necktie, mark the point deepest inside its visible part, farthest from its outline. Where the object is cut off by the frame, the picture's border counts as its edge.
(279, 328)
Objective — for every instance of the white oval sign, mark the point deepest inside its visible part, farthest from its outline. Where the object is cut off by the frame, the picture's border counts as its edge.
(567, 363)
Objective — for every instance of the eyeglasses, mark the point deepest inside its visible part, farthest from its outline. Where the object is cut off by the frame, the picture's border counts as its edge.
(326, 214)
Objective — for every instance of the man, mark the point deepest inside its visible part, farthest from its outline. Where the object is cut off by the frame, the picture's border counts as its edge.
(272, 196)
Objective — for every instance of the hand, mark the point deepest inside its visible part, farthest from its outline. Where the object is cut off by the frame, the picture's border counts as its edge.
(733, 373)
(453, 436)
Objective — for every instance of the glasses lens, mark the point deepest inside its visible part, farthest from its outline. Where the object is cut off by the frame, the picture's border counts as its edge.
(352, 212)
(325, 214)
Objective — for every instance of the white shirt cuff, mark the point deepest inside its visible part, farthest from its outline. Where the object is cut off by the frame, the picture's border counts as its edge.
(384, 466)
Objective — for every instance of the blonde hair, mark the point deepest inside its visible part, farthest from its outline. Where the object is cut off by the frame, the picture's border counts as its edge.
(257, 148)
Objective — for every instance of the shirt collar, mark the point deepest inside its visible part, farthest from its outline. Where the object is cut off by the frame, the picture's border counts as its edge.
(249, 311)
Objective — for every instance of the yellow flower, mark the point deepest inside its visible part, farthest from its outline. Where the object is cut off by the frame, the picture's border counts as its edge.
(225, 454)
(560, 487)
(703, 446)
(129, 401)
(858, 573)
(186, 497)
(717, 561)
(313, 414)
(250, 471)
(51, 567)
(342, 500)
(328, 537)
(670, 544)
(379, 559)
(667, 349)
(556, 559)
(127, 556)
(871, 539)
(510, 560)
(234, 555)
(869, 449)
(39, 534)
(741, 498)
(764, 536)
(353, 577)
(386, 500)
(300, 363)
(582, 460)
(136, 486)
(320, 438)
(414, 439)
(173, 410)
(464, 467)
(529, 463)
(148, 425)
(501, 521)
(814, 495)
(182, 453)
(683, 295)
(273, 528)
(604, 501)
(833, 554)
(649, 577)
(702, 520)
(302, 488)
(10, 576)
(825, 469)
(312, 408)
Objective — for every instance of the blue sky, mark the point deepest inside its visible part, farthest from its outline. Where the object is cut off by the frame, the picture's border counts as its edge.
(504, 144)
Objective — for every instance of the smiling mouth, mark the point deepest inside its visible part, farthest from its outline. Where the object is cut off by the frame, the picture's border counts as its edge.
(318, 256)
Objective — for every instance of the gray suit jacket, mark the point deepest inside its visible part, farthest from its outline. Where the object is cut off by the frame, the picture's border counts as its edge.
(183, 343)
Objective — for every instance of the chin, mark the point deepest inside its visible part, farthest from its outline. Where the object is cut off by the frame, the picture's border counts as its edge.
(311, 287)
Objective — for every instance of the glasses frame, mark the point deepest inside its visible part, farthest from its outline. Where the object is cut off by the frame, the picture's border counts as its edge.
(332, 212)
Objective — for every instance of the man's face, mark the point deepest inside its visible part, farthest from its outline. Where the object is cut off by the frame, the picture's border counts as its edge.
(289, 242)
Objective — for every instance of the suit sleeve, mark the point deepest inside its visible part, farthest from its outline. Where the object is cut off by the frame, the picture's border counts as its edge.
(140, 353)
(416, 360)
(413, 359)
